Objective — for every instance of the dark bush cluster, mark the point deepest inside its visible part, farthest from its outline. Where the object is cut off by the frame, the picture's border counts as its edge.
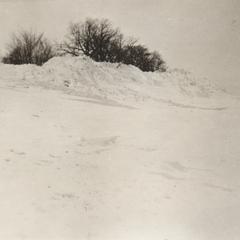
(94, 38)
(140, 57)
(28, 47)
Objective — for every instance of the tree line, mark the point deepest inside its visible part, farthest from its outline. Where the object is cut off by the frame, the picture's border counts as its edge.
(95, 38)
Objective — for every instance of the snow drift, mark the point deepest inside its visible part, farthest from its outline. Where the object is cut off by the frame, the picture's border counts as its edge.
(116, 82)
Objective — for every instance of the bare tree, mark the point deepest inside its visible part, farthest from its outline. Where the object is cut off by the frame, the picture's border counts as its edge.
(94, 38)
(28, 47)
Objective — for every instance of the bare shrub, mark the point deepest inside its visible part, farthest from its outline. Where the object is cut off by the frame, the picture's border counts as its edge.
(28, 47)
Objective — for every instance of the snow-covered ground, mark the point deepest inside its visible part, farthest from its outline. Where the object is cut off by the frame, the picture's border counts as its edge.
(106, 152)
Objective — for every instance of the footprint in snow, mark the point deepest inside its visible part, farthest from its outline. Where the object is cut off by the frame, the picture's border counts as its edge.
(101, 141)
(18, 153)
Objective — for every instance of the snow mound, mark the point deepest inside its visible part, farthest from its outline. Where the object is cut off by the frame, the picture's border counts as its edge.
(113, 82)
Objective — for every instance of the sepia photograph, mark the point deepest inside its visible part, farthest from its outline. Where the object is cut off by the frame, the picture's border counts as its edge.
(119, 119)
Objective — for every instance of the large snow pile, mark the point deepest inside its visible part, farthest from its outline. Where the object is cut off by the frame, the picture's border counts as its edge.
(115, 82)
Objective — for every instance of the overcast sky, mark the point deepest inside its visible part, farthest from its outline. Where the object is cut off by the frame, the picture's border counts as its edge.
(199, 35)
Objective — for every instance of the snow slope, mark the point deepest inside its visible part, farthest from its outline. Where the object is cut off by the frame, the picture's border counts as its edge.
(116, 83)
(107, 160)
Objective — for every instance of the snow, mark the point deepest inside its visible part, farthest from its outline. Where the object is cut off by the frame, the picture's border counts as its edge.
(116, 154)
(116, 83)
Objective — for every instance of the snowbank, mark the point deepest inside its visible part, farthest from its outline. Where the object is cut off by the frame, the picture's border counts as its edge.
(115, 82)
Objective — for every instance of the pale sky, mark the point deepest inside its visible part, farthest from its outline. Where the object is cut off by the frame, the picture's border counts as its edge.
(202, 36)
